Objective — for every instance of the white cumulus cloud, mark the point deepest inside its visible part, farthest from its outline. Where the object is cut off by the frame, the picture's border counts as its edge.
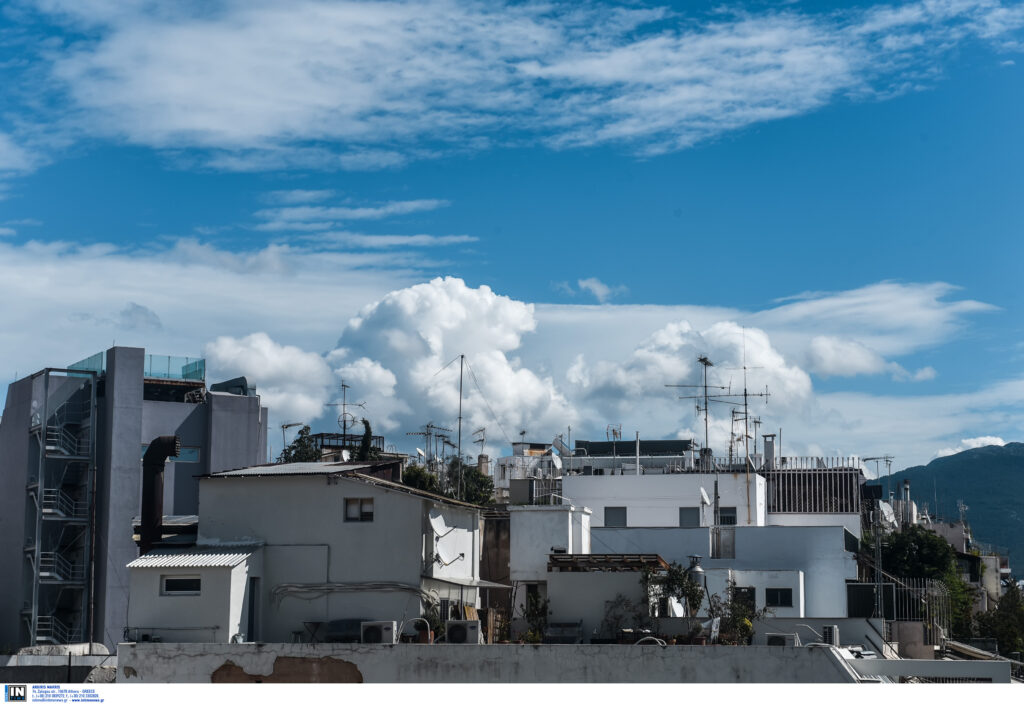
(970, 444)
(294, 383)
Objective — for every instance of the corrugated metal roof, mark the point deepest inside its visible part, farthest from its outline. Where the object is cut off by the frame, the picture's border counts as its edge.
(292, 468)
(219, 556)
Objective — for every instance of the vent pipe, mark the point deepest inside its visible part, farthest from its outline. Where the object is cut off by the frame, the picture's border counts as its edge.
(151, 530)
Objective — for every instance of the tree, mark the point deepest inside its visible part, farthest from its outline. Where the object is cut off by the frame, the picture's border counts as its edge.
(916, 552)
(477, 488)
(675, 582)
(366, 451)
(302, 449)
(417, 477)
(737, 616)
(1005, 623)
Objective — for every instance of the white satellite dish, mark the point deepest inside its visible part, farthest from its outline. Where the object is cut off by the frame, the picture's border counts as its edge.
(420, 452)
(704, 497)
(345, 455)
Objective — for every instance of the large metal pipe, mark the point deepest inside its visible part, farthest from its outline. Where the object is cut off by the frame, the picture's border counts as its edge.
(151, 530)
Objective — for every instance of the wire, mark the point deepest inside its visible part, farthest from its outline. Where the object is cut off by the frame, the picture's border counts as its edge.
(445, 367)
(472, 375)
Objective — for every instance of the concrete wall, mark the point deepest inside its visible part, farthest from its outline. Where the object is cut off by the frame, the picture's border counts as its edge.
(761, 580)
(188, 662)
(654, 500)
(14, 460)
(119, 486)
(817, 551)
(850, 521)
(585, 596)
(237, 431)
(536, 531)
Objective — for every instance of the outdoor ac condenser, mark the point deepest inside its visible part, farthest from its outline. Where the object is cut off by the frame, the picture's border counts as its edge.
(830, 635)
(463, 632)
(378, 632)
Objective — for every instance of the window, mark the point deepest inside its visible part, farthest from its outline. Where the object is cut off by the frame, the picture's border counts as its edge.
(359, 509)
(778, 597)
(615, 516)
(180, 585)
(728, 515)
(689, 517)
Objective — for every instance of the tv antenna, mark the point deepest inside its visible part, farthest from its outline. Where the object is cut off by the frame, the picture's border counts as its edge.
(888, 469)
(482, 440)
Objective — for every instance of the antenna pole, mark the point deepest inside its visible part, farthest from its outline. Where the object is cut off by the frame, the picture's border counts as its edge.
(344, 413)
(462, 358)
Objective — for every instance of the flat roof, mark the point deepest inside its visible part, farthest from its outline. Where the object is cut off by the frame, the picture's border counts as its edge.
(344, 470)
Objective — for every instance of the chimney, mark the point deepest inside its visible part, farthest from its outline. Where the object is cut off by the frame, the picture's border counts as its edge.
(151, 530)
(483, 464)
(769, 451)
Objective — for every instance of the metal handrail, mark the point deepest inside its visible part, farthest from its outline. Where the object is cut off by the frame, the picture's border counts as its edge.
(64, 569)
(58, 501)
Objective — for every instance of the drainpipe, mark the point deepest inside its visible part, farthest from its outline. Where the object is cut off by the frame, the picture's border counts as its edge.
(151, 530)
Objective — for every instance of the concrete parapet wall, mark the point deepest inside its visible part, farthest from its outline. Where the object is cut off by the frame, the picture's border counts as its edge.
(303, 662)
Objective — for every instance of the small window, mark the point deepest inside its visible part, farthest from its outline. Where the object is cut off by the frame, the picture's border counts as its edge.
(689, 517)
(359, 509)
(728, 515)
(186, 585)
(778, 597)
(615, 516)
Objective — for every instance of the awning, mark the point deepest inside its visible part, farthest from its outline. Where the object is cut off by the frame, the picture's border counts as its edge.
(466, 582)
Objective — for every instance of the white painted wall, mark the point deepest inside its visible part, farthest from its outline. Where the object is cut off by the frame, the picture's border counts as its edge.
(655, 500)
(584, 596)
(301, 519)
(191, 618)
(850, 521)
(817, 551)
(535, 530)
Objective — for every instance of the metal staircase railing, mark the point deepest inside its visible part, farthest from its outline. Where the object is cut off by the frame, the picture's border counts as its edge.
(50, 629)
(60, 439)
(57, 502)
(55, 566)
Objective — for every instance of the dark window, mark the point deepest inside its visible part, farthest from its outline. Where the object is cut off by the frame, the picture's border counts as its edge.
(689, 517)
(778, 597)
(358, 509)
(728, 515)
(180, 586)
(615, 516)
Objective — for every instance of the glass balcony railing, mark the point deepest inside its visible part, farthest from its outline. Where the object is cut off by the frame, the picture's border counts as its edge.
(157, 366)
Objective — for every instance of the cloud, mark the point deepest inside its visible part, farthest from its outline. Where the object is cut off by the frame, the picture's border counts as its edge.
(7, 232)
(970, 444)
(294, 383)
(600, 290)
(138, 317)
(14, 157)
(410, 342)
(364, 86)
(831, 356)
(305, 218)
(535, 366)
(298, 195)
(362, 241)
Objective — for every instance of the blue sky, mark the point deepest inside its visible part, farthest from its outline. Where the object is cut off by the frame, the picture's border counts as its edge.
(844, 182)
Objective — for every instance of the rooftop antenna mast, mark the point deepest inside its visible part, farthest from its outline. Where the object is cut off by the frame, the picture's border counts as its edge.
(888, 469)
(482, 440)
(708, 399)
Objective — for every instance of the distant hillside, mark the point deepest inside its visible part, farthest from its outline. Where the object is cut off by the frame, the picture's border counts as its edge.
(990, 480)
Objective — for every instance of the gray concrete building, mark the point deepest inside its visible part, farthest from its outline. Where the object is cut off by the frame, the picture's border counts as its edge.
(71, 443)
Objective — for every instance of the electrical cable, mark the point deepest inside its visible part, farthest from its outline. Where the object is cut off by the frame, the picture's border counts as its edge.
(472, 375)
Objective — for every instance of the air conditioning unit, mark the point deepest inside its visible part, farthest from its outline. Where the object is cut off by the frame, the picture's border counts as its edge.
(830, 635)
(378, 632)
(790, 639)
(463, 632)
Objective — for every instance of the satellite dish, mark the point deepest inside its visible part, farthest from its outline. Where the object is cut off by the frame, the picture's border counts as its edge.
(420, 452)
(557, 461)
(345, 455)
(704, 497)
